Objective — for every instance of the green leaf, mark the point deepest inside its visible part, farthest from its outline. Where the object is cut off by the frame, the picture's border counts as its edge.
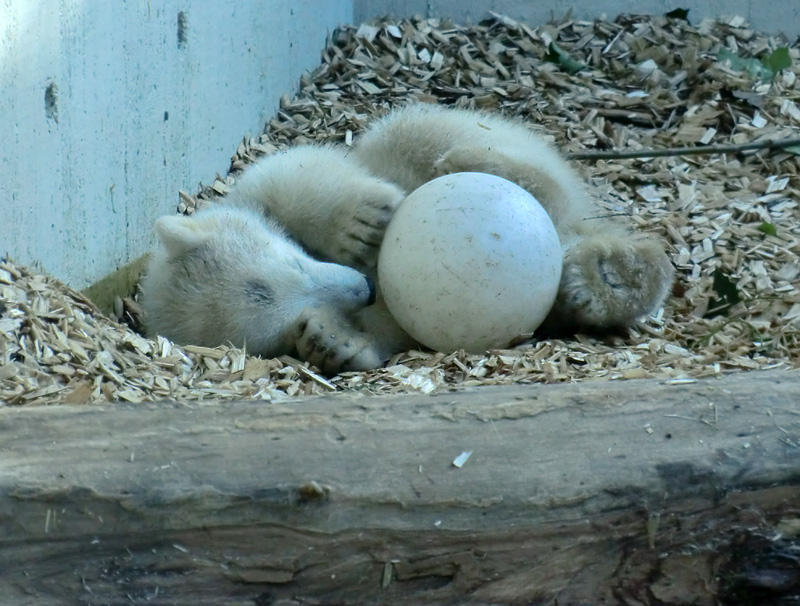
(727, 292)
(556, 54)
(777, 60)
(679, 13)
(795, 149)
(768, 228)
(765, 69)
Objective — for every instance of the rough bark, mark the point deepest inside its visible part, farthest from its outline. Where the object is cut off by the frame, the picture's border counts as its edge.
(633, 493)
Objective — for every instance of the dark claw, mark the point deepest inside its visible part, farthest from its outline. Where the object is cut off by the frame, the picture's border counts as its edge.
(372, 291)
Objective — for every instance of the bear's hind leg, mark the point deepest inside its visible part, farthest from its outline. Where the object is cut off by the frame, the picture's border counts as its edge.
(537, 181)
(609, 280)
(610, 277)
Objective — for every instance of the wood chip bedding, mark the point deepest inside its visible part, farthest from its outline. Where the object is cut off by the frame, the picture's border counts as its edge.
(641, 83)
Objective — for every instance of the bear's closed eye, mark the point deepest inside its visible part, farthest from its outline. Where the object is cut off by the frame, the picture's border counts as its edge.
(259, 292)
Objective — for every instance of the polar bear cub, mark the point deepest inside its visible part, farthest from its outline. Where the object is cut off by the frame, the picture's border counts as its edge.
(232, 274)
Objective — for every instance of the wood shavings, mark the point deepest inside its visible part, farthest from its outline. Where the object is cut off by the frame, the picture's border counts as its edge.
(461, 459)
(646, 83)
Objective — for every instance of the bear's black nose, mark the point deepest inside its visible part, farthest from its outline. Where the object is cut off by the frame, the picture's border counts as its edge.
(372, 292)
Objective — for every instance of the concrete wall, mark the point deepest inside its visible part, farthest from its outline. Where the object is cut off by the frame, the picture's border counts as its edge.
(108, 108)
(768, 15)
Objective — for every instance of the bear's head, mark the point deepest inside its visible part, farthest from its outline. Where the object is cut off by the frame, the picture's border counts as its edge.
(228, 275)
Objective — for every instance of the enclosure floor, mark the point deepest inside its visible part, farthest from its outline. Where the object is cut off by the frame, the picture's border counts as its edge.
(730, 219)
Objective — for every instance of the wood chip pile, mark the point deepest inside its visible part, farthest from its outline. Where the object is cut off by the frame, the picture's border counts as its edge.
(646, 82)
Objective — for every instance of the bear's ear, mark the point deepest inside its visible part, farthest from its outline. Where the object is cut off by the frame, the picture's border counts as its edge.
(180, 234)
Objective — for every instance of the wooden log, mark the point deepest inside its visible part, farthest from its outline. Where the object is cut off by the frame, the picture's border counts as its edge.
(638, 493)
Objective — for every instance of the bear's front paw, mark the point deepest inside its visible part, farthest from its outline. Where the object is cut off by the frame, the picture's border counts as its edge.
(609, 282)
(329, 342)
(360, 232)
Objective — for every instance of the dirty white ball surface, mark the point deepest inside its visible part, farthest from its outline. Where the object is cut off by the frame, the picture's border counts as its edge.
(469, 261)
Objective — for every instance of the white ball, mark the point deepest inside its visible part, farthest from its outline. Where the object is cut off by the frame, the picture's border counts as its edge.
(469, 261)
